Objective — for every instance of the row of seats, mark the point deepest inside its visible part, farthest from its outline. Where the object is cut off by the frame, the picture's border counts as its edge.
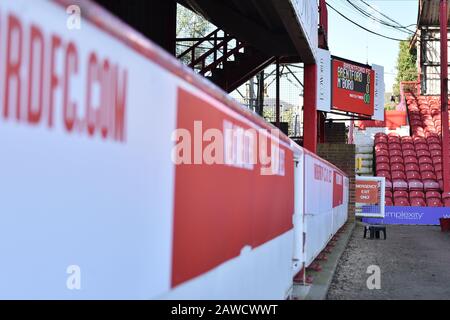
(415, 193)
(407, 160)
(416, 199)
(424, 114)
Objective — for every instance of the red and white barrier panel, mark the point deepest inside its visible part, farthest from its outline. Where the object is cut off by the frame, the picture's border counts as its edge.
(326, 204)
(125, 175)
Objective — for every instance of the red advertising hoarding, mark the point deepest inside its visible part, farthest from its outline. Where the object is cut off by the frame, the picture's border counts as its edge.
(208, 233)
(353, 87)
(338, 189)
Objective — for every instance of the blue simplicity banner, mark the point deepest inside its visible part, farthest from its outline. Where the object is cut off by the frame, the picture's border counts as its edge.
(411, 215)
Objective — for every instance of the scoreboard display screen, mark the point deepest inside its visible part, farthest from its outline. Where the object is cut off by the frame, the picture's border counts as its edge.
(353, 87)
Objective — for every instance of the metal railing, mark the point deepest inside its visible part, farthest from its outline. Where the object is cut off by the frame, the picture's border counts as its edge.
(222, 46)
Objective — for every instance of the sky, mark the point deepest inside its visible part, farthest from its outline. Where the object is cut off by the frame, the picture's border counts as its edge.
(349, 41)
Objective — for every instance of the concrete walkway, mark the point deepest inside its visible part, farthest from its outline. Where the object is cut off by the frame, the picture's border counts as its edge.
(414, 263)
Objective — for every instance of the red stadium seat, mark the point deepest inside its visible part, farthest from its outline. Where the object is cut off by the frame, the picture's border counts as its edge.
(382, 159)
(426, 167)
(446, 199)
(422, 153)
(413, 175)
(431, 185)
(412, 167)
(398, 175)
(388, 194)
(418, 202)
(380, 134)
(401, 194)
(437, 160)
(398, 185)
(388, 202)
(396, 159)
(416, 122)
(382, 152)
(397, 167)
(433, 139)
(394, 142)
(406, 139)
(428, 122)
(381, 139)
(401, 202)
(381, 146)
(428, 175)
(415, 185)
(425, 159)
(435, 153)
(410, 159)
(409, 153)
(434, 202)
(382, 167)
(434, 146)
(432, 194)
(418, 140)
(433, 135)
(430, 129)
(394, 146)
(416, 194)
(421, 146)
(439, 175)
(395, 152)
(446, 202)
(437, 167)
(384, 173)
(407, 146)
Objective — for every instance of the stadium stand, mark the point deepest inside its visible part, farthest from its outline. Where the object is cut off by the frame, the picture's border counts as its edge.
(412, 165)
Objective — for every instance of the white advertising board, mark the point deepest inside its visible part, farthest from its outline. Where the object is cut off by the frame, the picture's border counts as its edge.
(323, 99)
(79, 200)
(318, 206)
(378, 113)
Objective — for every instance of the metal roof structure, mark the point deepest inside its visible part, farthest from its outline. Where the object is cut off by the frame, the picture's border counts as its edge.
(269, 25)
(429, 13)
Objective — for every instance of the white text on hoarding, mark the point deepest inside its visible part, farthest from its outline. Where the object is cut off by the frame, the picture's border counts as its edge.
(233, 146)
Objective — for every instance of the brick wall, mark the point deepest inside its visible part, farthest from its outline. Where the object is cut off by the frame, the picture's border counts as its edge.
(342, 156)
